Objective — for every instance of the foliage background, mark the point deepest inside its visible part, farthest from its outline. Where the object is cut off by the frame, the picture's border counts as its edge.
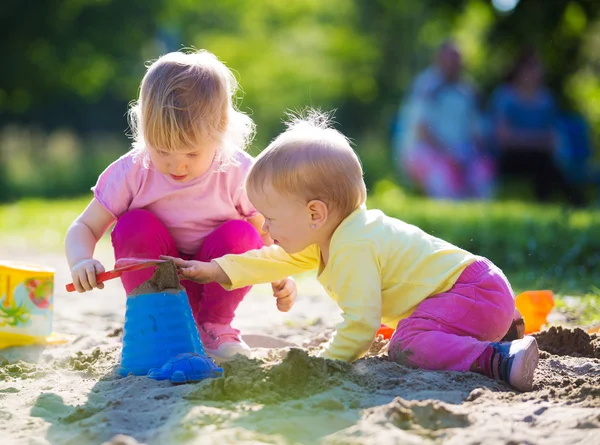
(72, 67)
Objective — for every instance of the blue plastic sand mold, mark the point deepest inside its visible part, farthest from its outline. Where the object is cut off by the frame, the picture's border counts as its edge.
(158, 328)
(187, 368)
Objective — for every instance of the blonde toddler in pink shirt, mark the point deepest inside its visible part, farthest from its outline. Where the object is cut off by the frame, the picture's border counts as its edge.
(179, 191)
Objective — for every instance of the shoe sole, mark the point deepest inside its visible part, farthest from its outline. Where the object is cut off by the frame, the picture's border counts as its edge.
(524, 365)
(220, 356)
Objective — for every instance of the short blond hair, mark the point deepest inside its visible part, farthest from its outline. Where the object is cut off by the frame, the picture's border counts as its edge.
(311, 160)
(185, 99)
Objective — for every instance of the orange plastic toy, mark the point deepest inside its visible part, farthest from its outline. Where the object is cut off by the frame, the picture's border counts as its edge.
(534, 306)
(385, 331)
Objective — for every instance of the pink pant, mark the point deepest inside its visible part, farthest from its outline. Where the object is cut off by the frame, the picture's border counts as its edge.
(442, 178)
(448, 331)
(140, 234)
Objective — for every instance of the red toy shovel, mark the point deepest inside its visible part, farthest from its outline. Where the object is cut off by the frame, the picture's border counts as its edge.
(121, 265)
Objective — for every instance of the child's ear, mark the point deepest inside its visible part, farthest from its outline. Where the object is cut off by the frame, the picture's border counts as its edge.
(318, 213)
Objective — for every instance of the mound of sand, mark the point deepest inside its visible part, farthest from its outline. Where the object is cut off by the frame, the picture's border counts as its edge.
(164, 279)
(574, 342)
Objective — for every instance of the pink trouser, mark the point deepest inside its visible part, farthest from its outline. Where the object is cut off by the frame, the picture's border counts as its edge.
(448, 331)
(442, 178)
(140, 234)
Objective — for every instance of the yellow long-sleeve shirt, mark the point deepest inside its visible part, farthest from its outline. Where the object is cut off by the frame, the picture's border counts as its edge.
(379, 269)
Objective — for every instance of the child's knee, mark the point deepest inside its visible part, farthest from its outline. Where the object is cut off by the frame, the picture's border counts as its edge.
(136, 224)
(138, 219)
(238, 236)
(398, 355)
(399, 350)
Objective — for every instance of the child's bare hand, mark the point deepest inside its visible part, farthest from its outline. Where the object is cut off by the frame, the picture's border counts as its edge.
(84, 275)
(285, 291)
(199, 271)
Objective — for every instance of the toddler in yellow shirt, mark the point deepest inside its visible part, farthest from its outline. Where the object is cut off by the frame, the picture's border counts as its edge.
(450, 308)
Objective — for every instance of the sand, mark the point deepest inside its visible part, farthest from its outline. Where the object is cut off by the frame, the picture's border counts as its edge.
(69, 395)
(164, 278)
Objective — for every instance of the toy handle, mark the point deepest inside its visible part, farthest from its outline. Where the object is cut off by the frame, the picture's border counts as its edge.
(100, 278)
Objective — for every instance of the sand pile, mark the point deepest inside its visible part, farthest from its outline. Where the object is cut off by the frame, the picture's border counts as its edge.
(574, 342)
(164, 279)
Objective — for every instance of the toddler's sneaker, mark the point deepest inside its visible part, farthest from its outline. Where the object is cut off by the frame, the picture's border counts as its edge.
(511, 362)
(222, 341)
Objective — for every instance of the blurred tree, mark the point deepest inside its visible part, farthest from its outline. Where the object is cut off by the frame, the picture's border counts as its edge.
(69, 62)
(77, 63)
(286, 55)
(557, 29)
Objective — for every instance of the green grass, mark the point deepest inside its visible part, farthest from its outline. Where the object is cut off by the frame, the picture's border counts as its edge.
(38, 224)
(581, 310)
(51, 165)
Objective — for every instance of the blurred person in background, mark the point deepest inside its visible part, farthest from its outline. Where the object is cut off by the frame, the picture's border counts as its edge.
(441, 150)
(525, 128)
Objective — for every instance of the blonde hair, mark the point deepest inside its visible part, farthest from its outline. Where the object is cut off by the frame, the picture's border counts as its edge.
(185, 99)
(311, 160)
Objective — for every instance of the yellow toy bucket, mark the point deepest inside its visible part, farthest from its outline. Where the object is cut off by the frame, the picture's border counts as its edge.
(26, 304)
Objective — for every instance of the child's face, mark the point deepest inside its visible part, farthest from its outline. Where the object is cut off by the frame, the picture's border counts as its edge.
(184, 165)
(287, 219)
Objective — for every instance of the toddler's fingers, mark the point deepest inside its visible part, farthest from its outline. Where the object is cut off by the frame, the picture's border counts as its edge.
(100, 285)
(77, 283)
(87, 285)
(193, 273)
(90, 272)
(186, 271)
(281, 293)
(84, 283)
(284, 304)
(179, 262)
(285, 308)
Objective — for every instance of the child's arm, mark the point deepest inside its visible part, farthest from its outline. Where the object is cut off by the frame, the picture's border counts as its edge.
(355, 282)
(200, 271)
(264, 265)
(80, 241)
(284, 291)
